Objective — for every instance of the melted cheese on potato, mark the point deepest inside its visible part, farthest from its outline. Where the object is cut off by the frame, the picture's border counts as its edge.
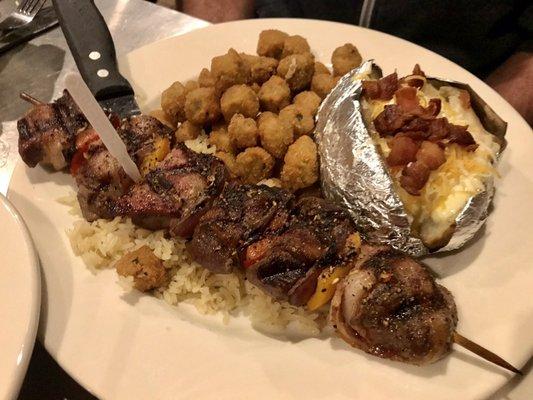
(463, 175)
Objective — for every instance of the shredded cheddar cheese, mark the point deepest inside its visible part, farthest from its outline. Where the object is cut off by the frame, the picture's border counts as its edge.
(464, 173)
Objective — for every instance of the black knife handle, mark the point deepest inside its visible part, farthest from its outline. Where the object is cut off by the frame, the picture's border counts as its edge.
(92, 46)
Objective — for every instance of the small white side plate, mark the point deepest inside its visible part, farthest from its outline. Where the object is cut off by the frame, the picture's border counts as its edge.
(20, 299)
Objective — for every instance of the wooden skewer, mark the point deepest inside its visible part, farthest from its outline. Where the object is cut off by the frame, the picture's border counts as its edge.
(483, 353)
(30, 99)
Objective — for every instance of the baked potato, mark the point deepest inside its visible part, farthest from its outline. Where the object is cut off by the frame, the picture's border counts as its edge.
(421, 154)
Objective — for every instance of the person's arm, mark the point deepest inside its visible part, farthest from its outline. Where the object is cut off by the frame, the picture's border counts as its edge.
(218, 10)
(514, 81)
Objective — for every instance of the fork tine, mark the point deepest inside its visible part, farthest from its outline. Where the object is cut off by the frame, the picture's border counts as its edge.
(24, 5)
(29, 6)
(34, 7)
(38, 6)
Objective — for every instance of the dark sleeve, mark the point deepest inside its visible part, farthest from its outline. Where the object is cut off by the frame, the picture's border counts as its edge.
(331, 10)
(525, 25)
(272, 9)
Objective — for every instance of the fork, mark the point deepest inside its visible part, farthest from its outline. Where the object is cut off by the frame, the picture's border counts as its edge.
(24, 14)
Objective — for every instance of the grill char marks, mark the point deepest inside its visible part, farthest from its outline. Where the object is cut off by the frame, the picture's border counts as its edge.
(241, 215)
(47, 133)
(138, 133)
(288, 264)
(175, 193)
(101, 180)
(283, 245)
(390, 306)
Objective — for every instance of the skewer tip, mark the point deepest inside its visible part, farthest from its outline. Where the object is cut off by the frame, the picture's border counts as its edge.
(484, 353)
(30, 99)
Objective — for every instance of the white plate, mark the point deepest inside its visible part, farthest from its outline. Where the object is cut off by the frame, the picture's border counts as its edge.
(136, 347)
(20, 299)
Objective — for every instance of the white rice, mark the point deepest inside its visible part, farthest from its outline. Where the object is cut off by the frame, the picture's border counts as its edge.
(201, 145)
(101, 243)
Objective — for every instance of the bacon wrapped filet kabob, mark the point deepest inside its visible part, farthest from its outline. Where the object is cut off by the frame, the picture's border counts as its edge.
(307, 251)
(302, 250)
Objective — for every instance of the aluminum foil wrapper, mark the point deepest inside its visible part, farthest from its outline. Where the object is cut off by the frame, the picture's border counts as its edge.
(354, 174)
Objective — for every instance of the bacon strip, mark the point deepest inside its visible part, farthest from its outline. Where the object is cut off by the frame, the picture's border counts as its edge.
(431, 154)
(382, 89)
(391, 120)
(403, 151)
(407, 100)
(414, 177)
(418, 135)
(459, 134)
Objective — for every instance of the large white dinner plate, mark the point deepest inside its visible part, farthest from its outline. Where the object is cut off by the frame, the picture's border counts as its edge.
(20, 299)
(135, 347)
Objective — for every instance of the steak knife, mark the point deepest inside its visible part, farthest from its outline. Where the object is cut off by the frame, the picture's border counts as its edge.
(92, 47)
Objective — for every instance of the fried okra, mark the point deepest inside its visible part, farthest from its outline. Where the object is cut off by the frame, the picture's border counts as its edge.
(276, 135)
(255, 87)
(229, 69)
(299, 118)
(243, 102)
(271, 42)
(275, 94)
(297, 70)
(320, 68)
(147, 270)
(254, 164)
(229, 161)
(300, 168)
(219, 138)
(345, 58)
(173, 102)
(242, 131)
(239, 99)
(308, 100)
(202, 106)
(322, 84)
(187, 131)
(191, 85)
(261, 68)
(295, 45)
(206, 78)
(162, 117)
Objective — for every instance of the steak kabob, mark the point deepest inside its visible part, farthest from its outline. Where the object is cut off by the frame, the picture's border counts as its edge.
(57, 135)
(302, 250)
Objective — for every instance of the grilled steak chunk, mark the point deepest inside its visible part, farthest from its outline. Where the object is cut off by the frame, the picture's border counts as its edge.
(175, 193)
(101, 181)
(287, 265)
(282, 245)
(47, 133)
(238, 218)
(138, 133)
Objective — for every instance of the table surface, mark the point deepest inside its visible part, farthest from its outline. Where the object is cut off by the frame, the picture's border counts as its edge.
(39, 67)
